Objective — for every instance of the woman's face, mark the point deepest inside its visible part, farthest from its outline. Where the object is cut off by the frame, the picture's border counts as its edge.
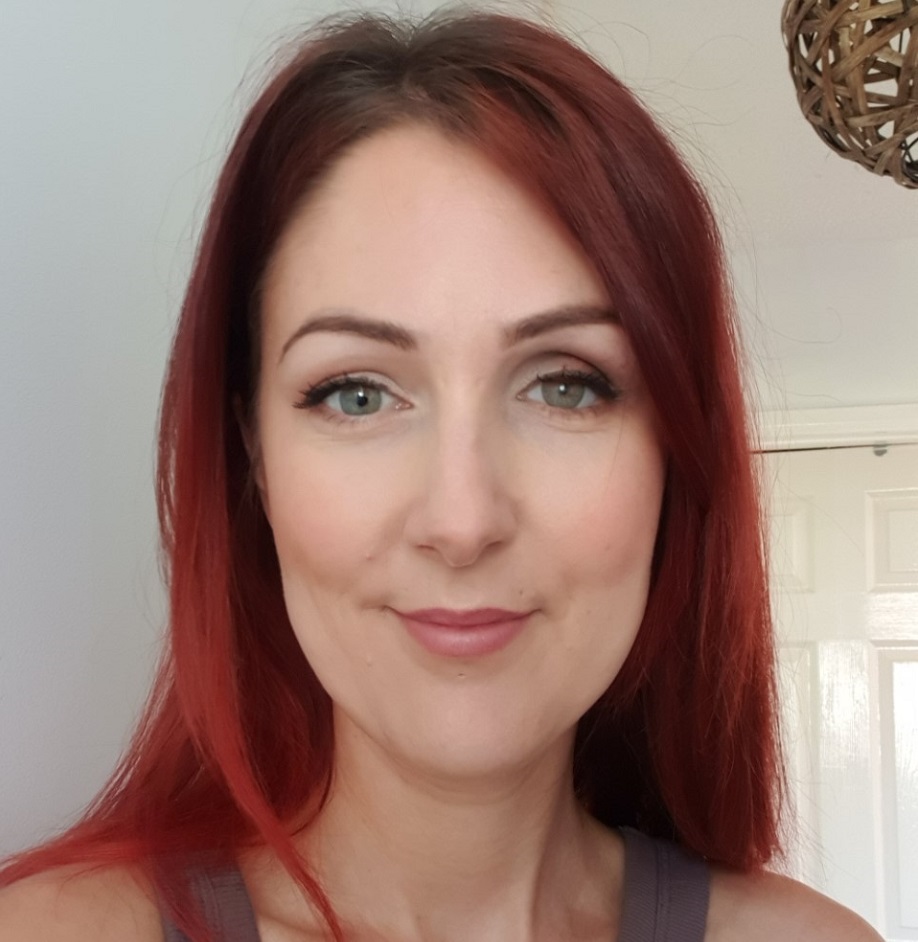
(450, 419)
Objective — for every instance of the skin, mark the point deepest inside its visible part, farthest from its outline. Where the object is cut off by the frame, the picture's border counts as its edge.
(452, 815)
(469, 487)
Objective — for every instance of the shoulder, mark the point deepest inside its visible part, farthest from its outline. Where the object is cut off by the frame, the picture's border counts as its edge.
(768, 906)
(73, 904)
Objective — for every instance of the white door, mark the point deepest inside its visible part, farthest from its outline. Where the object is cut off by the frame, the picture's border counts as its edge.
(845, 590)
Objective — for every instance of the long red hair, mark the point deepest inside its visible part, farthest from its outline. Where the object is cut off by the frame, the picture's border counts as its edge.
(236, 739)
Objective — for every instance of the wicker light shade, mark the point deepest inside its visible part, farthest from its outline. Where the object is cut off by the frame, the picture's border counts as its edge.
(855, 65)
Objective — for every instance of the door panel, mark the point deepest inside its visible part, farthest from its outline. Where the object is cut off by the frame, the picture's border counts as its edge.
(844, 561)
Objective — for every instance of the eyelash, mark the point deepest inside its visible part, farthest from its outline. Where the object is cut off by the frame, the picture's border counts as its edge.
(314, 397)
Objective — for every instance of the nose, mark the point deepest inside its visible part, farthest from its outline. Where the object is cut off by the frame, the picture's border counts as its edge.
(465, 505)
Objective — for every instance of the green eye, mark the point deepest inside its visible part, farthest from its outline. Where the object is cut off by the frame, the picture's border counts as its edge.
(356, 400)
(564, 394)
(572, 390)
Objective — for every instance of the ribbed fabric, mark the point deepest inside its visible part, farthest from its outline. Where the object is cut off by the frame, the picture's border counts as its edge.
(665, 899)
(666, 892)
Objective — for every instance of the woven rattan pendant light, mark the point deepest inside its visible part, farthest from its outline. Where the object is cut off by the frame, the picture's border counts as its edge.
(855, 65)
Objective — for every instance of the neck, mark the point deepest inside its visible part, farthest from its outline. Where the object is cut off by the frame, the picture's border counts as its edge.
(508, 856)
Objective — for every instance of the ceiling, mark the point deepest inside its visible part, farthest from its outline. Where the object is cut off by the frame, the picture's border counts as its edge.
(824, 253)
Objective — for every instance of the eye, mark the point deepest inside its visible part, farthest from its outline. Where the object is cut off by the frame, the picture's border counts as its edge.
(348, 396)
(356, 400)
(573, 390)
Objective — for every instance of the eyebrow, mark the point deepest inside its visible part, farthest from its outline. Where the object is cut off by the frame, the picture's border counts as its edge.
(346, 320)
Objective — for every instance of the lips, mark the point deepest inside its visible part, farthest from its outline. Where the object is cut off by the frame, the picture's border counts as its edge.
(463, 633)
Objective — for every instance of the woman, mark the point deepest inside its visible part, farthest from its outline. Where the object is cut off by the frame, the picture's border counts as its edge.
(469, 624)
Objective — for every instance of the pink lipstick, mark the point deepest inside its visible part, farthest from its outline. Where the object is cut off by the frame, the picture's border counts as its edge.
(469, 633)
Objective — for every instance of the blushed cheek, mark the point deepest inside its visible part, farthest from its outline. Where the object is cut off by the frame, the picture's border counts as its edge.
(330, 518)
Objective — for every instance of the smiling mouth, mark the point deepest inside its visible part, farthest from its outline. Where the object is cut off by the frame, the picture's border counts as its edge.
(463, 633)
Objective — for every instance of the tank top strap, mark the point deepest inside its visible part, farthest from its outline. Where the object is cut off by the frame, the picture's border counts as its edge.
(224, 900)
(666, 892)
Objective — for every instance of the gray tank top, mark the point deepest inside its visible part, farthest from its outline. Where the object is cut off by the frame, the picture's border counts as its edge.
(665, 897)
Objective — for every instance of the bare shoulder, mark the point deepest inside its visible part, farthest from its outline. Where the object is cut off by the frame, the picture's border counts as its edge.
(768, 906)
(72, 904)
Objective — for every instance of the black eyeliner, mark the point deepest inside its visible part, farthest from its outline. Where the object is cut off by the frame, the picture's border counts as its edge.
(594, 380)
(314, 396)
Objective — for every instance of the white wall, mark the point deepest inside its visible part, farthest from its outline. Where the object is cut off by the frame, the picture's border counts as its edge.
(831, 323)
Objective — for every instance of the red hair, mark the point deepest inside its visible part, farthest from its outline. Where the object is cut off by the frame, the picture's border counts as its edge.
(236, 739)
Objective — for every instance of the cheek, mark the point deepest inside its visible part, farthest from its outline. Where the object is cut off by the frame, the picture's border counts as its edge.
(323, 525)
(607, 550)
(330, 511)
(604, 525)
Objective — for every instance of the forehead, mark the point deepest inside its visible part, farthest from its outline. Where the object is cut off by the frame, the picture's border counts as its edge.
(414, 227)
